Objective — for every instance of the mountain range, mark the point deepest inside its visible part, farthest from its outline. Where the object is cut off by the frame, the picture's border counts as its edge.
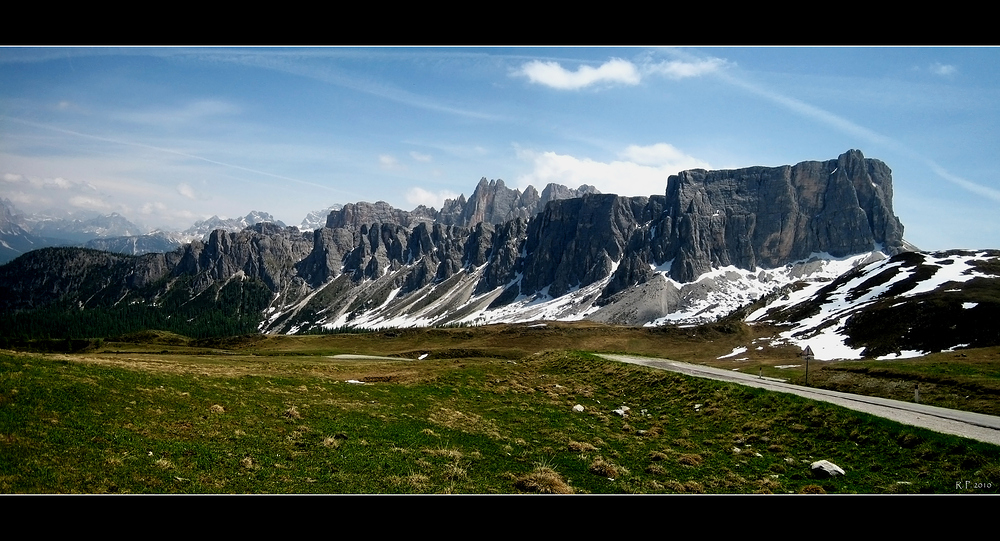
(714, 242)
(491, 201)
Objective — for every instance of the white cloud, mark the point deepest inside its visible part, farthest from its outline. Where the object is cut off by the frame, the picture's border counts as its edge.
(677, 69)
(11, 177)
(553, 75)
(642, 171)
(60, 182)
(23, 199)
(420, 157)
(420, 196)
(186, 190)
(616, 70)
(88, 203)
(662, 155)
(388, 162)
(153, 208)
(938, 68)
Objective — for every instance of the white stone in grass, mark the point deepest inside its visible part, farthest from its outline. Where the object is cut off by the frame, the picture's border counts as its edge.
(578, 408)
(825, 468)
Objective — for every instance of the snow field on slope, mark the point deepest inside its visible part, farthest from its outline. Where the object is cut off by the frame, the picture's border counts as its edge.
(824, 330)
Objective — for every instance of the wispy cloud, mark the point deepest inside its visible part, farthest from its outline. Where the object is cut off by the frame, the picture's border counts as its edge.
(678, 69)
(420, 157)
(168, 151)
(186, 190)
(865, 134)
(191, 112)
(46, 183)
(938, 68)
(978, 189)
(89, 203)
(293, 64)
(153, 208)
(389, 162)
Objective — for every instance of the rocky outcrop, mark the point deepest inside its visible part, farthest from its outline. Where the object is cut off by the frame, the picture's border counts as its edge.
(767, 216)
(553, 192)
(354, 215)
(264, 251)
(576, 242)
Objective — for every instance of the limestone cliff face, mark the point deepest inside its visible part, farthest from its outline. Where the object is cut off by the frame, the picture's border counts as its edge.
(767, 216)
(265, 251)
(575, 242)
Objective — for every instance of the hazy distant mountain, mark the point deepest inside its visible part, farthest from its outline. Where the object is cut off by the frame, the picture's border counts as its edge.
(15, 239)
(203, 228)
(317, 218)
(157, 241)
(77, 230)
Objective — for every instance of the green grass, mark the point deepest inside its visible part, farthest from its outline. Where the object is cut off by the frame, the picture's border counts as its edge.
(965, 379)
(202, 422)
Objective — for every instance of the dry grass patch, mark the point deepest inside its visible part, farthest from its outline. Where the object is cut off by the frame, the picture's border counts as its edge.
(674, 486)
(293, 413)
(453, 472)
(415, 481)
(768, 485)
(655, 469)
(449, 453)
(543, 480)
(580, 446)
(694, 487)
(605, 468)
(466, 422)
(331, 441)
(658, 455)
(684, 443)
(689, 459)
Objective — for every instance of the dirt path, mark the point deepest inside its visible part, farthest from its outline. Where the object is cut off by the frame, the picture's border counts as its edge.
(971, 425)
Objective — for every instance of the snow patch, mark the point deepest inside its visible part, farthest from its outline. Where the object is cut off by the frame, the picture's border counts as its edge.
(905, 354)
(736, 351)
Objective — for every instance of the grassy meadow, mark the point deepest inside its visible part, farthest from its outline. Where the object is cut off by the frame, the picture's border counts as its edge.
(488, 410)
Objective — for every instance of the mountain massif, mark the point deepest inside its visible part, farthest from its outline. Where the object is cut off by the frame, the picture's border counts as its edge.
(712, 242)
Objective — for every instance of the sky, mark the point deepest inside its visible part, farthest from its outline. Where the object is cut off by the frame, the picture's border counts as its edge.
(171, 135)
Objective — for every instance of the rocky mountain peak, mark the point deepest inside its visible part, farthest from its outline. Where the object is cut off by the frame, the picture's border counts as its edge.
(766, 216)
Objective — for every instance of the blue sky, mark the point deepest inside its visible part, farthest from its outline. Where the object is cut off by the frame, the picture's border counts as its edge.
(167, 136)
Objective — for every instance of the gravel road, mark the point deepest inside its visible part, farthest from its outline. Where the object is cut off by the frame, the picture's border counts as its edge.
(975, 426)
